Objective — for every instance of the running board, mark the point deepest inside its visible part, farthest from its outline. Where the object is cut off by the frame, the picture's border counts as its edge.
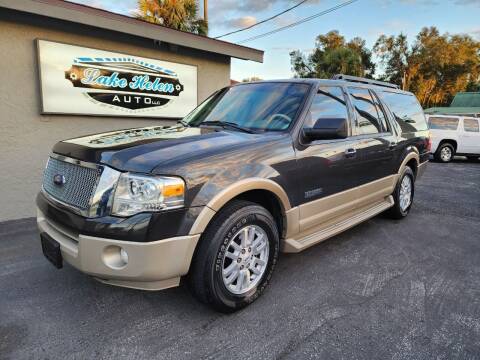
(331, 228)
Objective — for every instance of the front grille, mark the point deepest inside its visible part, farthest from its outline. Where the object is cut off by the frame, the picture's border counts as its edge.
(79, 184)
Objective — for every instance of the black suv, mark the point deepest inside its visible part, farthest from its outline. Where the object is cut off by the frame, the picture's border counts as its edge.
(256, 169)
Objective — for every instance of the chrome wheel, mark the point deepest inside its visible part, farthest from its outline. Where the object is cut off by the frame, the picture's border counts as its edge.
(446, 154)
(405, 193)
(245, 259)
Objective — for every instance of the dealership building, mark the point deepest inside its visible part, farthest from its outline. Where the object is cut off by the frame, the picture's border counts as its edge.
(69, 70)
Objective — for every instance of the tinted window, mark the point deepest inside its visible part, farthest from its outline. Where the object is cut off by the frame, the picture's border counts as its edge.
(368, 121)
(443, 123)
(381, 115)
(470, 125)
(262, 106)
(406, 109)
(328, 103)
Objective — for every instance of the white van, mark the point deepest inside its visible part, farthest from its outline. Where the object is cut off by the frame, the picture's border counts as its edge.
(454, 135)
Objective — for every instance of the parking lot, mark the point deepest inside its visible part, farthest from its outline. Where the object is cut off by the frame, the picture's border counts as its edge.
(385, 289)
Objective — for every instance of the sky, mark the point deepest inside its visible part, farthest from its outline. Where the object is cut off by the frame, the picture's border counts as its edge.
(367, 19)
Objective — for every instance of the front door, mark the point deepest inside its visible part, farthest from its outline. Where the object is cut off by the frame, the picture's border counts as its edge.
(326, 168)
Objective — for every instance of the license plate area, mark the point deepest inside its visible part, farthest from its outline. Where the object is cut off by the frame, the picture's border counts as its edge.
(51, 250)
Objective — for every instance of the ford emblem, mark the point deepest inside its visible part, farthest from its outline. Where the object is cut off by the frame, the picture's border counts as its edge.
(59, 179)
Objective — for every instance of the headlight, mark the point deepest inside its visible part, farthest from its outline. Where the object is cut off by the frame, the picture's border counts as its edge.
(139, 193)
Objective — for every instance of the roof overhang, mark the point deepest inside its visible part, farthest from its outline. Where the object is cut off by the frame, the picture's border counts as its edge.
(102, 19)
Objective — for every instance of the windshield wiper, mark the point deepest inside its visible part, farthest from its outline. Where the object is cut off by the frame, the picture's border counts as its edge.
(183, 123)
(225, 124)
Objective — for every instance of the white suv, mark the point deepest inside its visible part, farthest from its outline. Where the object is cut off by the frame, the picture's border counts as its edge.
(454, 135)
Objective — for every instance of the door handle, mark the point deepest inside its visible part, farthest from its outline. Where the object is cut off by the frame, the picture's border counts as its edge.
(350, 152)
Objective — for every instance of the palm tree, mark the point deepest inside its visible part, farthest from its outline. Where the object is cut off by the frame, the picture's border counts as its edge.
(176, 14)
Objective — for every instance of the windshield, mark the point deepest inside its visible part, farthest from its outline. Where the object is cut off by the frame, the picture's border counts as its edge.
(260, 106)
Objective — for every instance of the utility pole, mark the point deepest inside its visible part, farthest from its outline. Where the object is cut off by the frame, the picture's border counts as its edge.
(205, 10)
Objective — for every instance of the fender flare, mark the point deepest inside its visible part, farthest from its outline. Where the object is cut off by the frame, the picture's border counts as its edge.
(230, 192)
(411, 155)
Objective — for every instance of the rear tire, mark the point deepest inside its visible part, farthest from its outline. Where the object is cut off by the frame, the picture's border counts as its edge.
(445, 153)
(235, 258)
(403, 195)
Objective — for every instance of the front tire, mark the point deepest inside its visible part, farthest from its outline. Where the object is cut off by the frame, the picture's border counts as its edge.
(403, 195)
(445, 153)
(235, 258)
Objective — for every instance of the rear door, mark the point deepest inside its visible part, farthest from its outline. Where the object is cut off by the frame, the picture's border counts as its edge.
(375, 140)
(470, 137)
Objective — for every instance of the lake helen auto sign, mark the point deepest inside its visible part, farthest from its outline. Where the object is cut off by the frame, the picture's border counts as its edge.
(84, 81)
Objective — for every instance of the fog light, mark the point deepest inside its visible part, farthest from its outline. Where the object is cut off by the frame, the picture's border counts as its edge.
(115, 257)
(123, 255)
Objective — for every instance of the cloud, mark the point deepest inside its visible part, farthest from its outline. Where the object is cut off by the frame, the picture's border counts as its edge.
(253, 6)
(240, 22)
(430, 2)
(124, 7)
(475, 33)
(392, 26)
(288, 49)
(467, 2)
(245, 21)
(285, 20)
(224, 13)
(410, 2)
(246, 5)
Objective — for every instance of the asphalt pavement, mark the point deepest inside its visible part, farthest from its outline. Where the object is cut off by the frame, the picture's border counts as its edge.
(385, 289)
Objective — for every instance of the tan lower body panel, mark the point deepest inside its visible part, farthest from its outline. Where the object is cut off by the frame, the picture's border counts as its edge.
(322, 210)
(318, 220)
(335, 226)
(150, 266)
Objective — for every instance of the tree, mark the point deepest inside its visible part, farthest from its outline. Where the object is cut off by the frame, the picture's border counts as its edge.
(176, 14)
(333, 55)
(252, 79)
(435, 67)
(396, 57)
(358, 44)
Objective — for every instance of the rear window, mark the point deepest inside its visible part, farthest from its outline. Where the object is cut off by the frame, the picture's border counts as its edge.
(470, 125)
(406, 109)
(443, 123)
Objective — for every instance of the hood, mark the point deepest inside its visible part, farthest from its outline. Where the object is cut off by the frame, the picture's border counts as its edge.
(143, 149)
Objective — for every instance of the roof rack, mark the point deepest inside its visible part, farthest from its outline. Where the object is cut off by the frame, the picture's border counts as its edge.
(364, 81)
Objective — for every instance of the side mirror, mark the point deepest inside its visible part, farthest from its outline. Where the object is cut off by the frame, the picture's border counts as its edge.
(327, 128)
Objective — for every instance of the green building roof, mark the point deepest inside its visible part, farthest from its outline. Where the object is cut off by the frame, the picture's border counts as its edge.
(466, 99)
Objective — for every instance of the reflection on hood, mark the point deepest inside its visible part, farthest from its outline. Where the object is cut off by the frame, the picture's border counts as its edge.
(122, 137)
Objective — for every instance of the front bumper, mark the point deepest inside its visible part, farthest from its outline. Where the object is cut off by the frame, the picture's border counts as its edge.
(151, 265)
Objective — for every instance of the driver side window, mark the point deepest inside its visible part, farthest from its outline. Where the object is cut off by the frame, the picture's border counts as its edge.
(328, 103)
